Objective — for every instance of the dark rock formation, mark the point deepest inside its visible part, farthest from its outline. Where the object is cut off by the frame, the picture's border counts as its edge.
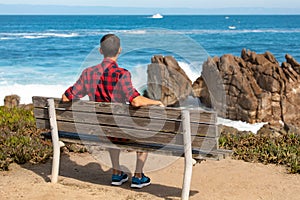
(252, 88)
(167, 81)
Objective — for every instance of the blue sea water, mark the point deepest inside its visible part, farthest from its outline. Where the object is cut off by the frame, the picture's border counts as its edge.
(43, 55)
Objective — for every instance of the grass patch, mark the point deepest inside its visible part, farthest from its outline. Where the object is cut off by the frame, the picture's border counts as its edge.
(20, 140)
(283, 149)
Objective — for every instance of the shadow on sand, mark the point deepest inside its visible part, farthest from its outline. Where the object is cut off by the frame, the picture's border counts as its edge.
(93, 173)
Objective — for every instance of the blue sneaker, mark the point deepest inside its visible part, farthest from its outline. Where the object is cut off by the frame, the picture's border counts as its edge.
(140, 182)
(119, 179)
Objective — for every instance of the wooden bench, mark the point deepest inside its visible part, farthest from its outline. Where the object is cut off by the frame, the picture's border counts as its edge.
(187, 132)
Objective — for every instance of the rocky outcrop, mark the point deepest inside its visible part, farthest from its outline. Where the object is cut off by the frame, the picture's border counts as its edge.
(252, 88)
(12, 101)
(167, 81)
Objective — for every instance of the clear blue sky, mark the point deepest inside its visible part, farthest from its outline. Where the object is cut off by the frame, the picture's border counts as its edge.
(165, 3)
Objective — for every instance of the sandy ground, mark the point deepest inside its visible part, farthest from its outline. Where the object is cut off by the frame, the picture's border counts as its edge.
(82, 177)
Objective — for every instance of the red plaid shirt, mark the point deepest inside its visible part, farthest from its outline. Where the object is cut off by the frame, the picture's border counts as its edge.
(105, 82)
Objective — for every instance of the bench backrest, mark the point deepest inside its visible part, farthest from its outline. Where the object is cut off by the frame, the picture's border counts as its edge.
(145, 125)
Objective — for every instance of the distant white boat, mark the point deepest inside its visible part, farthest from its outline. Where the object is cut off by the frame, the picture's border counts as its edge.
(231, 27)
(157, 16)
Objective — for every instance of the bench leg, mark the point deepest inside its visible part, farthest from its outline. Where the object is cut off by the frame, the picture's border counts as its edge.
(55, 141)
(188, 159)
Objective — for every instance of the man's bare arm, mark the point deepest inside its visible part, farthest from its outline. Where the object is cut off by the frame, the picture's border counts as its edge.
(144, 101)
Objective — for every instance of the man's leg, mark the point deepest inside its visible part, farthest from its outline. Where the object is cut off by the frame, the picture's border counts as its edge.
(118, 177)
(115, 160)
(139, 180)
(141, 158)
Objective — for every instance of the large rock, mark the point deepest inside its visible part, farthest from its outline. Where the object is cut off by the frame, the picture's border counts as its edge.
(252, 88)
(167, 81)
(11, 101)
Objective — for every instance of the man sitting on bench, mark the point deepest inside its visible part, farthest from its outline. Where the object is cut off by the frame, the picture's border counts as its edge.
(107, 82)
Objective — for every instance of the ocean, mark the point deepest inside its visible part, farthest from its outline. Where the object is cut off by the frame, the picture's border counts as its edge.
(44, 54)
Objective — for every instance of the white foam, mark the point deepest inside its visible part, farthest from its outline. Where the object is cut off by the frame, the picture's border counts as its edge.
(241, 126)
(9, 36)
(192, 74)
(63, 35)
(6, 38)
(135, 32)
(33, 37)
(3, 82)
(139, 77)
(27, 91)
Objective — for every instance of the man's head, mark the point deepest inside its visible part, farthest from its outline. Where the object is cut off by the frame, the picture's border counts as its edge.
(110, 45)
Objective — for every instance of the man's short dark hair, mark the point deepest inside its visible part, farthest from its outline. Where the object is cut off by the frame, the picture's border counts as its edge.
(110, 45)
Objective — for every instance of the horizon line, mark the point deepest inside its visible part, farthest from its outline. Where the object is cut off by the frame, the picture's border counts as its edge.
(34, 9)
(147, 14)
(229, 7)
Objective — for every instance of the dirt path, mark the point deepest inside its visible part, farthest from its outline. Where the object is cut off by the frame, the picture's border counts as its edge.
(81, 177)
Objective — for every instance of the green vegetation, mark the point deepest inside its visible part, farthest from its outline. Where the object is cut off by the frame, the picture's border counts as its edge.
(20, 140)
(283, 149)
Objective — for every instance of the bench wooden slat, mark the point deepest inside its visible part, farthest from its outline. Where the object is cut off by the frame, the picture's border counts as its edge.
(197, 129)
(167, 149)
(142, 136)
(198, 116)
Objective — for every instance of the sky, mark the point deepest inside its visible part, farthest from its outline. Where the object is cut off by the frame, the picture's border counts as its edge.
(165, 3)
